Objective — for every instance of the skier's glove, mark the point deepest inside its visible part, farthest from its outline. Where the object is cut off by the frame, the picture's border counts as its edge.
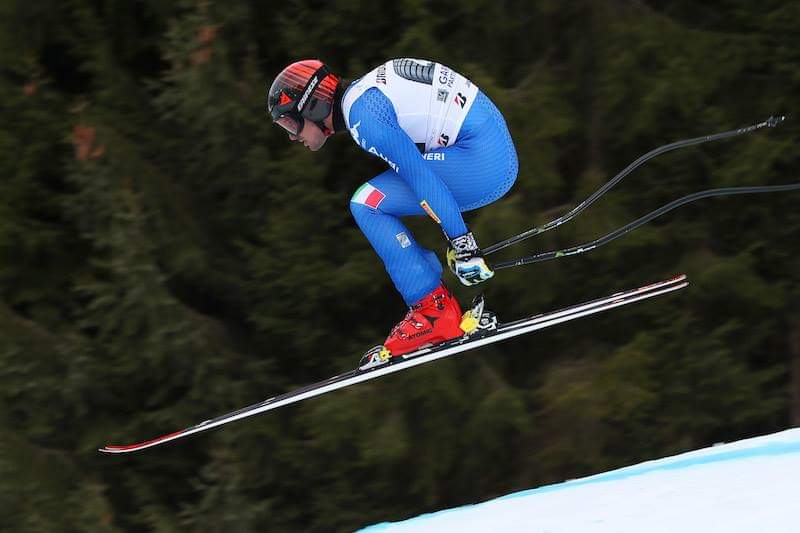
(466, 260)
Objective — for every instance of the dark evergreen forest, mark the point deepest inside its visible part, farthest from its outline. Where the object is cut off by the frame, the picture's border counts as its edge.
(167, 255)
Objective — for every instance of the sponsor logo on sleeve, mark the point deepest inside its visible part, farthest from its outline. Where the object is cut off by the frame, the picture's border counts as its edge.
(403, 239)
(354, 131)
(374, 151)
(443, 139)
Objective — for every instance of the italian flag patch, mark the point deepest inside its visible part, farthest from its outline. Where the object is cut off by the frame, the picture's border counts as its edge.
(368, 196)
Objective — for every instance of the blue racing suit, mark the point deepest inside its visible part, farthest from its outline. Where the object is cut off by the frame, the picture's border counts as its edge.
(448, 148)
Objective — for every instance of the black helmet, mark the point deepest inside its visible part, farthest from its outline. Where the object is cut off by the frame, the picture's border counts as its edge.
(303, 90)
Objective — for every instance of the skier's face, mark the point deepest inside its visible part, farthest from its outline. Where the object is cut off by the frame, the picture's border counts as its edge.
(311, 136)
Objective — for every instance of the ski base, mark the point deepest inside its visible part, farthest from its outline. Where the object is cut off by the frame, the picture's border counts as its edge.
(487, 332)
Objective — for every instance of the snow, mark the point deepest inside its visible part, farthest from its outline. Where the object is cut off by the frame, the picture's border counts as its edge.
(746, 486)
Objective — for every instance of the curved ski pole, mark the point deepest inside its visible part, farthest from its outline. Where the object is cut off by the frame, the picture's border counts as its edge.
(771, 122)
(729, 191)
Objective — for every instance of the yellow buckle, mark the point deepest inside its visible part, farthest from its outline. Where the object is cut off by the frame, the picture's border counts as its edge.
(384, 354)
(468, 322)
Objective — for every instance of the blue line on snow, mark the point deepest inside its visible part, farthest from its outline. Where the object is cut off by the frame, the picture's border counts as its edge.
(776, 448)
(673, 463)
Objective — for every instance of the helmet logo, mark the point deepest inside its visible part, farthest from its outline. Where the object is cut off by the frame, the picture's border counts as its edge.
(284, 99)
(312, 85)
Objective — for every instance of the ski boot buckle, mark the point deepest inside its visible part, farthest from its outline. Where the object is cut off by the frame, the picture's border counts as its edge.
(375, 356)
(476, 319)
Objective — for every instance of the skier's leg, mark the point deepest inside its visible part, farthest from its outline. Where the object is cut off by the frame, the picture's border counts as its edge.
(482, 165)
(480, 168)
(410, 266)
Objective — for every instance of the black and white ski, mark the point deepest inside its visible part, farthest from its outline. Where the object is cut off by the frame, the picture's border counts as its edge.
(486, 334)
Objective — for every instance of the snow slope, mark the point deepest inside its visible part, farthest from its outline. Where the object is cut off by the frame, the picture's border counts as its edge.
(748, 486)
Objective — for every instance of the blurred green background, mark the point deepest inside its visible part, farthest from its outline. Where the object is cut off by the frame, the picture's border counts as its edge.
(167, 255)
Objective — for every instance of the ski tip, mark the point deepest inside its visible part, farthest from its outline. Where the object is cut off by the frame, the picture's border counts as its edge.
(111, 448)
(107, 449)
(674, 280)
(678, 282)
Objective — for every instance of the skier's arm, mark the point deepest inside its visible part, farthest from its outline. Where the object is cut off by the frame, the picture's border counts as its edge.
(379, 133)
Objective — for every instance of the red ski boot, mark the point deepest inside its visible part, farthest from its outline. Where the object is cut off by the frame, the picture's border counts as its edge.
(434, 319)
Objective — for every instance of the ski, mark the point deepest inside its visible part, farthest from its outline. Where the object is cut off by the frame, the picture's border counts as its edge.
(487, 333)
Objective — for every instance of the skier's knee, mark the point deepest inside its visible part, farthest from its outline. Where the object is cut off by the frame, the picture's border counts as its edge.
(358, 210)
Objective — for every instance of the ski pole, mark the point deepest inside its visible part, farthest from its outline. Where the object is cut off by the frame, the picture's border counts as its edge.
(771, 122)
(544, 256)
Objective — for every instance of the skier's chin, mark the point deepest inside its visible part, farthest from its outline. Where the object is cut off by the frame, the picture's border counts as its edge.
(316, 146)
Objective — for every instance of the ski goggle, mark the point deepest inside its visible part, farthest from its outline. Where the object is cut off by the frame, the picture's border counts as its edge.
(290, 124)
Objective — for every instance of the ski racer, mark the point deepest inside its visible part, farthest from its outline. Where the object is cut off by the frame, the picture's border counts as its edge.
(448, 150)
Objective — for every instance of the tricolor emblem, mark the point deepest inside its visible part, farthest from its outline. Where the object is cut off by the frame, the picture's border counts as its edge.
(368, 196)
